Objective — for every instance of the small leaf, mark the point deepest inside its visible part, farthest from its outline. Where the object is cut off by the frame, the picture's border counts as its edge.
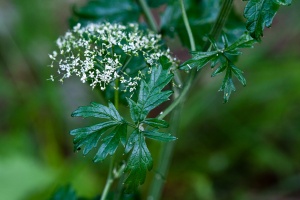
(219, 70)
(227, 85)
(283, 2)
(111, 142)
(139, 162)
(199, 60)
(157, 123)
(245, 41)
(155, 135)
(239, 74)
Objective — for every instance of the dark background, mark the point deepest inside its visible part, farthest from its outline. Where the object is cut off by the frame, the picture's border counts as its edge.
(248, 148)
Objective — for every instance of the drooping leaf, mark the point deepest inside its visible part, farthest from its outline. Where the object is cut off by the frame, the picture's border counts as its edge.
(139, 161)
(260, 14)
(155, 135)
(96, 11)
(90, 136)
(222, 56)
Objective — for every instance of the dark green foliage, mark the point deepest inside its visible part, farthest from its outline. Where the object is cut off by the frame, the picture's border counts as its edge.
(123, 11)
(114, 130)
(64, 193)
(156, 3)
(201, 15)
(222, 56)
(260, 14)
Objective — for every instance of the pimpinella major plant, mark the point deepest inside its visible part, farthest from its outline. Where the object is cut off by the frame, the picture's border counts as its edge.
(128, 61)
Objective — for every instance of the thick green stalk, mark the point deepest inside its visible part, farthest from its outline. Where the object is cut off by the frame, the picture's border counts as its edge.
(149, 17)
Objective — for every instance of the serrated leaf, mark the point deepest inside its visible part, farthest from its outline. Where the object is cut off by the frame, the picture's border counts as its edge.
(227, 85)
(102, 11)
(199, 60)
(157, 123)
(139, 162)
(150, 94)
(245, 41)
(111, 142)
(99, 111)
(260, 14)
(155, 135)
(219, 70)
(90, 136)
(238, 74)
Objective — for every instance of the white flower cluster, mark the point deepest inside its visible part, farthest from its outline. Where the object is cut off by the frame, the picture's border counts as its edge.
(93, 53)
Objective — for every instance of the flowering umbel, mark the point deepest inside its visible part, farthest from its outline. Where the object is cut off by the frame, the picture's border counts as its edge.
(101, 53)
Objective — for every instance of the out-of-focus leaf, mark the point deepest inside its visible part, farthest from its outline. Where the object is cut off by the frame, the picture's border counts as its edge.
(64, 193)
(96, 11)
(260, 14)
(156, 3)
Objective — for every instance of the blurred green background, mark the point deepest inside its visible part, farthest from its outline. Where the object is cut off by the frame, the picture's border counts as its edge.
(248, 148)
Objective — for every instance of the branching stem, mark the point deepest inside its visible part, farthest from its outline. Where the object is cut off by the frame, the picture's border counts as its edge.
(166, 153)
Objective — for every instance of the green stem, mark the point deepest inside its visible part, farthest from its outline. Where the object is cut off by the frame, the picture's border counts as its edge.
(111, 176)
(215, 33)
(109, 181)
(149, 17)
(221, 20)
(166, 153)
(187, 26)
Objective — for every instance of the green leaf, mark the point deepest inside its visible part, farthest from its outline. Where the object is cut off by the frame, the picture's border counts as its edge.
(90, 136)
(199, 60)
(111, 142)
(99, 111)
(245, 41)
(155, 135)
(260, 14)
(219, 70)
(150, 94)
(139, 162)
(157, 123)
(96, 11)
(227, 85)
(239, 74)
